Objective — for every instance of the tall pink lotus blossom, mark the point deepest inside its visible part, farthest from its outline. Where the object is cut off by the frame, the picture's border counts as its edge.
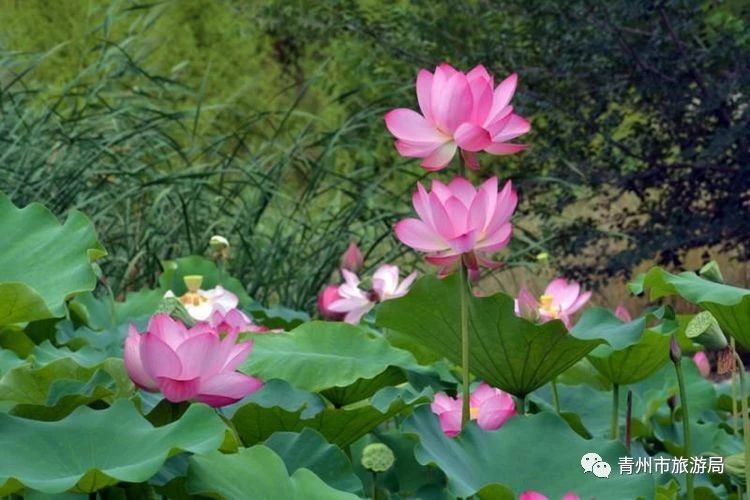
(702, 363)
(352, 258)
(535, 495)
(457, 221)
(459, 111)
(623, 314)
(490, 407)
(561, 299)
(385, 282)
(354, 302)
(184, 364)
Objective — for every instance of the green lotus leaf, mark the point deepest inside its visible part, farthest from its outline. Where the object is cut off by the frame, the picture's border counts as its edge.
(365, 387)
(255, 472)
(729, 305)
(320, 355)
(91, 449)
(309, 450)
(506, 351)
(255, 421)
(43, 262)
(633, 351)
(52, 391)
(530, 452)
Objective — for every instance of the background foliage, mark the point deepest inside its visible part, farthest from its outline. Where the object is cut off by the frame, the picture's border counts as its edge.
(170, 121)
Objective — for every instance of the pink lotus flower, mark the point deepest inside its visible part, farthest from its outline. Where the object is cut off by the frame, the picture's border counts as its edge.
(561, 299)
(704, 365)
(233, 321)
(188, 364)
(459, 110)
(354, 303)
(352, 258)
(623, 314)
(385, 282)
(201, 304)
(490, 407)
(459, 221)
(535, 495)
(328, 296)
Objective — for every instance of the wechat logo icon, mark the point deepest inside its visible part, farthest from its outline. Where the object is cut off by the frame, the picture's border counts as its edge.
(592, 462)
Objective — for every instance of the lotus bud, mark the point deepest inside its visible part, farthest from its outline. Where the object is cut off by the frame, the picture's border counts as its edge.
(705, 330)
(675, 353)
(352, 258)
(542, 257)
(711, 272)
(377, 457)
(218, 243)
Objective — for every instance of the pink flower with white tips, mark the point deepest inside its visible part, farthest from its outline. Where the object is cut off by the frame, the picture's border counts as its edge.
(354, 303)
(385, 282)
(459, 111)
(458, 221)
(561, 299)
(490, 407)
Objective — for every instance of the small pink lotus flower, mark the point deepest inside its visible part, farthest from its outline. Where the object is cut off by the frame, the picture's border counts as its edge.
(561, 299)
(458, 221)
(201, 304)
(704, 365)
(352, 258)
(490, 407)
(623, 314)
(354, 303)
(184, 364)
(328, 296)
(233, 321)
(459, 110)
(385, 282)
(535, 495)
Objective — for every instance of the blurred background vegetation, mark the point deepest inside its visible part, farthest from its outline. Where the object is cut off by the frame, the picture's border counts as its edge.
(170, 121)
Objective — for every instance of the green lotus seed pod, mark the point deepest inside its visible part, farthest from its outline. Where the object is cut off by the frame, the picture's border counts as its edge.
(705, 330)
(377, 457)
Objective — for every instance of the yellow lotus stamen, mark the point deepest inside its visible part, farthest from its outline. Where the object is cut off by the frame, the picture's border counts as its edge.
(546, 307)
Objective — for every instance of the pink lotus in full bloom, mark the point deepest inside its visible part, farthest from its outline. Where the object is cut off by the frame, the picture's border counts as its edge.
(352, 258)
(490, 407)
(535, 495)
(193, 364)
(459, 110)
(561, 299)
(623, 314)
(702, 363)
(201, 304)
(459, 221)
(385, 282)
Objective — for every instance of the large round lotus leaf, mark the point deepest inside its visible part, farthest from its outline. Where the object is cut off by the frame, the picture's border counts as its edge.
(508, 352)
(91, 449)
(43, 262)
(729, 305)
(255, 472)
(320, 355)
(633, 351)
(309, 450)
(537, 452)
(288, 410)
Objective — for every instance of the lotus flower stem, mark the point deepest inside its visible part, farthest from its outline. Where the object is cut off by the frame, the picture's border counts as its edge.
(685, 422)
(466, 407)
(555, 396)
(615, 411)
(745, 421)
(735, 413)
(628, 418)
